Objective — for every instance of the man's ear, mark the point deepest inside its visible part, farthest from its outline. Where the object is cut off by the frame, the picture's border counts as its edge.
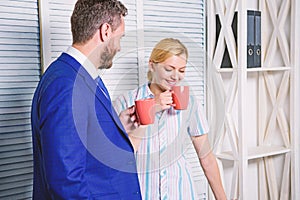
(105, 32)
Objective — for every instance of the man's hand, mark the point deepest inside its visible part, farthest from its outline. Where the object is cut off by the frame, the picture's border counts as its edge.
(134, 130)
(129, 119)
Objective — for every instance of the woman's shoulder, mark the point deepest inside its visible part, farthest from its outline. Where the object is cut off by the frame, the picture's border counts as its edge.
(131, 95)
(196, 104)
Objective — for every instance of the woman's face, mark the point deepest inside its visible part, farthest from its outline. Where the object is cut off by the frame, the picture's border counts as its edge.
(168, 73)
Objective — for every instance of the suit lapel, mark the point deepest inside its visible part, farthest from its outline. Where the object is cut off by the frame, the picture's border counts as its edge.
(108, 106)
(94, 88)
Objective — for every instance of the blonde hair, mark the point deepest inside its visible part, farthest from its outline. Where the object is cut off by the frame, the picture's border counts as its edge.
(165, 49)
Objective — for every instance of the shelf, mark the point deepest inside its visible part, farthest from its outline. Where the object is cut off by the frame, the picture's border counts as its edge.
(227, 155)
(254, 69)
(256, 152)
(264, 151)
(266, 69)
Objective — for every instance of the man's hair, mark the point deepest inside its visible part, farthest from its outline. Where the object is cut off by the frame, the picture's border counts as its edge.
(89, 15)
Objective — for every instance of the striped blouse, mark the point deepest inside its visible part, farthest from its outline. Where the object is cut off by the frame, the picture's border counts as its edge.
(164, 172)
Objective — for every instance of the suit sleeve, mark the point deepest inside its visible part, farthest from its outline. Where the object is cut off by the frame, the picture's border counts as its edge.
(63, 151)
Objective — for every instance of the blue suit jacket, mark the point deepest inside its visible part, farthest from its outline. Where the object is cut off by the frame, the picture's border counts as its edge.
(81, 150)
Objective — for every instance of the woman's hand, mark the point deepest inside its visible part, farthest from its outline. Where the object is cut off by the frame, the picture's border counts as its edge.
(164, 101)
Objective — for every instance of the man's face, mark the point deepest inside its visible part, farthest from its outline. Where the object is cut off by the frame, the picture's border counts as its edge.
(113, 46)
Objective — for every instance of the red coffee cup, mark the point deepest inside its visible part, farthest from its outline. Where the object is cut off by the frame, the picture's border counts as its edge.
(180, 96)
(145, 111)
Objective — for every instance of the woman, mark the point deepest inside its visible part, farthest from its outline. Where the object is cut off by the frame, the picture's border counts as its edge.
(163, 170)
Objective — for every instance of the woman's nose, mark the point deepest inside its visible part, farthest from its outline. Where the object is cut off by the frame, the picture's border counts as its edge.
(175, 75)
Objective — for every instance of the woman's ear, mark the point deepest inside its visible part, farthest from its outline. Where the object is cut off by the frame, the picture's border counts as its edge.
(105, 32)
(150, 64)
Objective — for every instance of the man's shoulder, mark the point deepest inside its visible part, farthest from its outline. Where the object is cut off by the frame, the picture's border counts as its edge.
(63, 66)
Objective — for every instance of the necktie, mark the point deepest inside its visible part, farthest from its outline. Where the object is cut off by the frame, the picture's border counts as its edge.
(102, 87)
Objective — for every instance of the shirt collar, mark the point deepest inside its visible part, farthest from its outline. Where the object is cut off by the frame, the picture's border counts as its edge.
(149, 92)
(145, 92)
(84, 61)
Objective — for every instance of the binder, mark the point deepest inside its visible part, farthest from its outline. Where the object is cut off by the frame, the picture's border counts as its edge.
(253, 39)
(257, 46)
(250, 38)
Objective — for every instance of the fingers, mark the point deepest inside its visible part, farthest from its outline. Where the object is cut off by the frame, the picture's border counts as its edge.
(129, 119)
(134, 120)
(165, 100)
(132, 117)
(132, 109)
(129, 111)
(130, 114)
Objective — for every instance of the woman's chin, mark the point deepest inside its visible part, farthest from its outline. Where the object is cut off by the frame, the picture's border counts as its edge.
(168, 87)
(164, 87)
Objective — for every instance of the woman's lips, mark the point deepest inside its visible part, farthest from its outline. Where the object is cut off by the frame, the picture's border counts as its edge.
(171, 84)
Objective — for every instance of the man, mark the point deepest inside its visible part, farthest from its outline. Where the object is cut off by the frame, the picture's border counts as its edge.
(81, 148)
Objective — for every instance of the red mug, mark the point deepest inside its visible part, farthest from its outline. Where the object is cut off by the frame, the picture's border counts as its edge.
(145, 111)
(180, 96)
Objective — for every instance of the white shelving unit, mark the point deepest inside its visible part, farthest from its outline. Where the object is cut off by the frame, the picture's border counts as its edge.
(252, 110)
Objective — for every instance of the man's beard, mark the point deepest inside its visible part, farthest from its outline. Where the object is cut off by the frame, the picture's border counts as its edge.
(107, 56)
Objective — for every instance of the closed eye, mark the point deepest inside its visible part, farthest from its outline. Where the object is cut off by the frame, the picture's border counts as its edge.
(182, 70)
(168, 69)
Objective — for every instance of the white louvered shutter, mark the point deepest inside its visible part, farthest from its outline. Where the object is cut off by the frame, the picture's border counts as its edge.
(184, 20)
(19, 75)
(56, 28)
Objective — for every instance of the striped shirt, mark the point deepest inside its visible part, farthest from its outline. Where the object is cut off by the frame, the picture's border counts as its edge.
(164, 172)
